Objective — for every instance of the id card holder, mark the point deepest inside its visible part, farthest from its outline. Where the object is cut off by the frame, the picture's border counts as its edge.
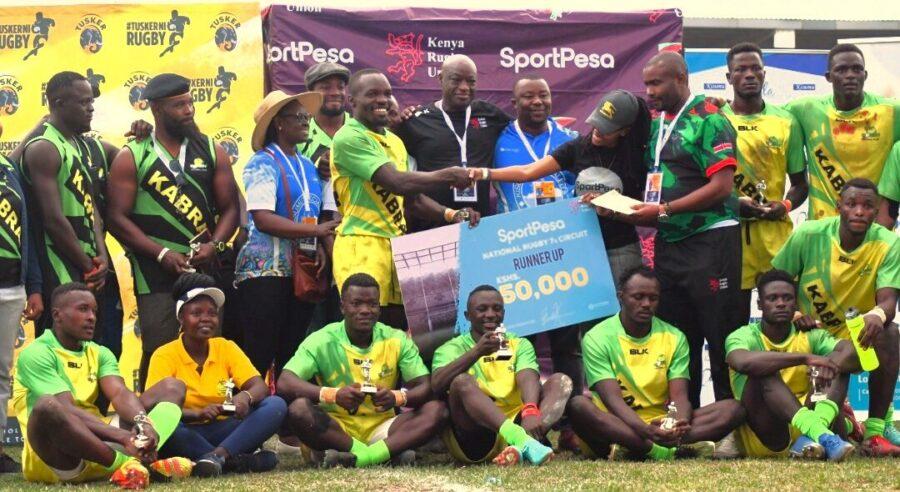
(545, 192)
(466, 195)
(307, 244)
(653, 189)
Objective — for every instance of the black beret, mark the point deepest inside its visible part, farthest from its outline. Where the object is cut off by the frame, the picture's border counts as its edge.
(166, 85)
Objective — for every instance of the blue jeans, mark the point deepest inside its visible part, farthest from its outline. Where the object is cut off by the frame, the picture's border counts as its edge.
(237, 436)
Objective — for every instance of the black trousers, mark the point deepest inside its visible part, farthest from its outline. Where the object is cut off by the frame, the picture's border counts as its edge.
(700, 278)
(274, 322)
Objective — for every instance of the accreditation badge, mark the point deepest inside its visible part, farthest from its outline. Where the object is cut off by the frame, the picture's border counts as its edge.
(544, 192)
(653, 189)
(465, 195)
(307, 244)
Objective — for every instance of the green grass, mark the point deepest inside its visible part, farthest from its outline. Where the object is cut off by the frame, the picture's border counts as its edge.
(567, 472)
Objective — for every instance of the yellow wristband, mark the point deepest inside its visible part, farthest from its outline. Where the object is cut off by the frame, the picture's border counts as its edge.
(399, 397)
(449, 214)
(485, 174)
(877, 311)
(328, 395)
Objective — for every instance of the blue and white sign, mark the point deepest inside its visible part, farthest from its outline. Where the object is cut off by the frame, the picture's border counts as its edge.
(548, 262)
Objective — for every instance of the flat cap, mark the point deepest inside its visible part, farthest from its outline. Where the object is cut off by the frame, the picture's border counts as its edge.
(166, 85)
(616, 110)
(321, 71)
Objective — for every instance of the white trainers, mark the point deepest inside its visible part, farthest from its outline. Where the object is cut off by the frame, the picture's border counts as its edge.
(727, 449)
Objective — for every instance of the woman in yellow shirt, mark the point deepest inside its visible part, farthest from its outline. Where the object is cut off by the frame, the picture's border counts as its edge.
(218, 437)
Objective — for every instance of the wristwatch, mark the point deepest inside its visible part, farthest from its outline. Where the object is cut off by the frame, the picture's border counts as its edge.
(220, 246)
(663, 214)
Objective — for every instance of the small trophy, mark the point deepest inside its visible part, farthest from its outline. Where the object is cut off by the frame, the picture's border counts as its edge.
(504, 352)
(228, 405)
(141, 440)
(760, 197)
(668, 423)
(814, 382)
(367, 387)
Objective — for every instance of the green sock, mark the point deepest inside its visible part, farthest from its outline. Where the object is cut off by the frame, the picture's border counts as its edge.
(808, 423)
(660, 453)
(874, 427)
(826, 410)
(889, 416)
(117, 461)
(848, 426)
(513, 434)
(361, 451)
(378, 453)
(165, 417)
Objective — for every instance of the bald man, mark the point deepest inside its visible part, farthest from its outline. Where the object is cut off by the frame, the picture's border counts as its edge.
(457, 130)
(698, 244)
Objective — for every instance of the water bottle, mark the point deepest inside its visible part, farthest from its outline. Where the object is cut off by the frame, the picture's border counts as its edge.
(868, 360)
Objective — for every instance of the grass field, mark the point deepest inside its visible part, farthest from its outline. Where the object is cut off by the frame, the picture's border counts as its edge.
(565, 473)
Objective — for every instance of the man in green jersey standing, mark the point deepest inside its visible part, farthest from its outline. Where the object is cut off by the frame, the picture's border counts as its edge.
(849, 263)
(847, 134)
(173, 203)
(889, 189)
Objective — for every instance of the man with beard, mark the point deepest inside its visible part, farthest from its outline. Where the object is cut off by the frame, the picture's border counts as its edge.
(457, 130)
(769, 147)
(847, 134)
(173, 203)
(60, 190)
(849, 263)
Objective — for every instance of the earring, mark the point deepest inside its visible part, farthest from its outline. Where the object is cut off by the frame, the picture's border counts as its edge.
(279, 128)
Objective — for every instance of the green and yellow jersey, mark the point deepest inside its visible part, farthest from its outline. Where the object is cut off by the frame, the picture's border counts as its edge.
(318, 142)
(769, 147)
(47, 368)
(831, 280)
(643, 367)
(367, 209)
(844, 144)
(330, 357)
(751, 338)
(889, 183)
(496, 378)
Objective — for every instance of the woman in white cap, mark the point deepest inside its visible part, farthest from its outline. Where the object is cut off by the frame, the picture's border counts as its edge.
(228, 412)
(284, 198)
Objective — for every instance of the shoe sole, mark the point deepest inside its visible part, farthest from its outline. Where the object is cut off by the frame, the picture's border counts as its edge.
(508, 457)
(847, 453)
(546, 459)
(809, 452)
(206, 469)
(555, 409)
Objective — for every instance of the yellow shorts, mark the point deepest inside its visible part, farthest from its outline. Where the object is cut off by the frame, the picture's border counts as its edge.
(378, 433)
(35, 470)
(456, 451)
(751, 447)
(367, 254)
(761, 240)
(646, 414)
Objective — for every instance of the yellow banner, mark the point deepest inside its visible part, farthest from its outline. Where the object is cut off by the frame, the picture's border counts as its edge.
(119, 48)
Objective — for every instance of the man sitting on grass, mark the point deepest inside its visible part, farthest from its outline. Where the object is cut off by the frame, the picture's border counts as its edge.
(499, 410)
(334, 415)
(769, 363)
(636, 364)
(58, 379)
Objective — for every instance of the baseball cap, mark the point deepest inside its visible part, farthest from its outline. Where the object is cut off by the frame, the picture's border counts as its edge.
(321, 71)
(616, 110)
(216, 294)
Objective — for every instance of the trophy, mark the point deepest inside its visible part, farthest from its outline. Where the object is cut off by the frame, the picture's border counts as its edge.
(367, 387)
(761, 193)
(228, 404)
(141, 440)
(504, 352)
(668, 423)
(816, 385)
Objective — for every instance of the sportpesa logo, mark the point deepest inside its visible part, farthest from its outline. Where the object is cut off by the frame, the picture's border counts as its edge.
(557, 58)
(136, 83)
(225, 27)
(230, 140)
(10, 88)
(91, 37)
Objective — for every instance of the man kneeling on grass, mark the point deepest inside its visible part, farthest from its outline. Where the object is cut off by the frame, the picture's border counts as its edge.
(637, 366)
(58, 379)
(498, 408)
(772, 364)
(335, 415)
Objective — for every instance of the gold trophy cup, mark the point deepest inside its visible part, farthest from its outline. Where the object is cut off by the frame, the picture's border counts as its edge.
(504, 352)
(367, 387)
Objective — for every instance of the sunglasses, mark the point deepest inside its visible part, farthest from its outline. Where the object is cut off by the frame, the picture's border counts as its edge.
(300, 117)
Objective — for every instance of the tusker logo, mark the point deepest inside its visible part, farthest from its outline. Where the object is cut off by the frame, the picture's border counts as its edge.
(408, 49)
(224, 27)
(10, 88)
(298, 51)
(168, 33)
(557, 58)
(136, 83)
(7, 146)
(91, 27)
(213, 89)
(25, 36)
(230, 140)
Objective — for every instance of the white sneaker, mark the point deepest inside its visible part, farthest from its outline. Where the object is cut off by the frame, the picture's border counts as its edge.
(283, 449)
(727, 449)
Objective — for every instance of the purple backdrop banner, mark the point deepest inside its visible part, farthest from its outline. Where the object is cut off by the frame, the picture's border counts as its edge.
(581, 54)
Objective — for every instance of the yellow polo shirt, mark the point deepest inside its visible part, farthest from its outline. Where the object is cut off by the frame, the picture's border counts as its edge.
(206, 387)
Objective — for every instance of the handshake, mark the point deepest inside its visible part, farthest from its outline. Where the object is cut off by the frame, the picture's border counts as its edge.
(461, 177)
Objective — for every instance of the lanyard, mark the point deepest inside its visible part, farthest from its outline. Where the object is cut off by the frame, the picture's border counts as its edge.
(461, 140)
(662, 137)
(304, 186)
(164, 156)
(527, 144)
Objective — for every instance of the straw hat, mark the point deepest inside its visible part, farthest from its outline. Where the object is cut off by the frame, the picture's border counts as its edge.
(271, 104)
